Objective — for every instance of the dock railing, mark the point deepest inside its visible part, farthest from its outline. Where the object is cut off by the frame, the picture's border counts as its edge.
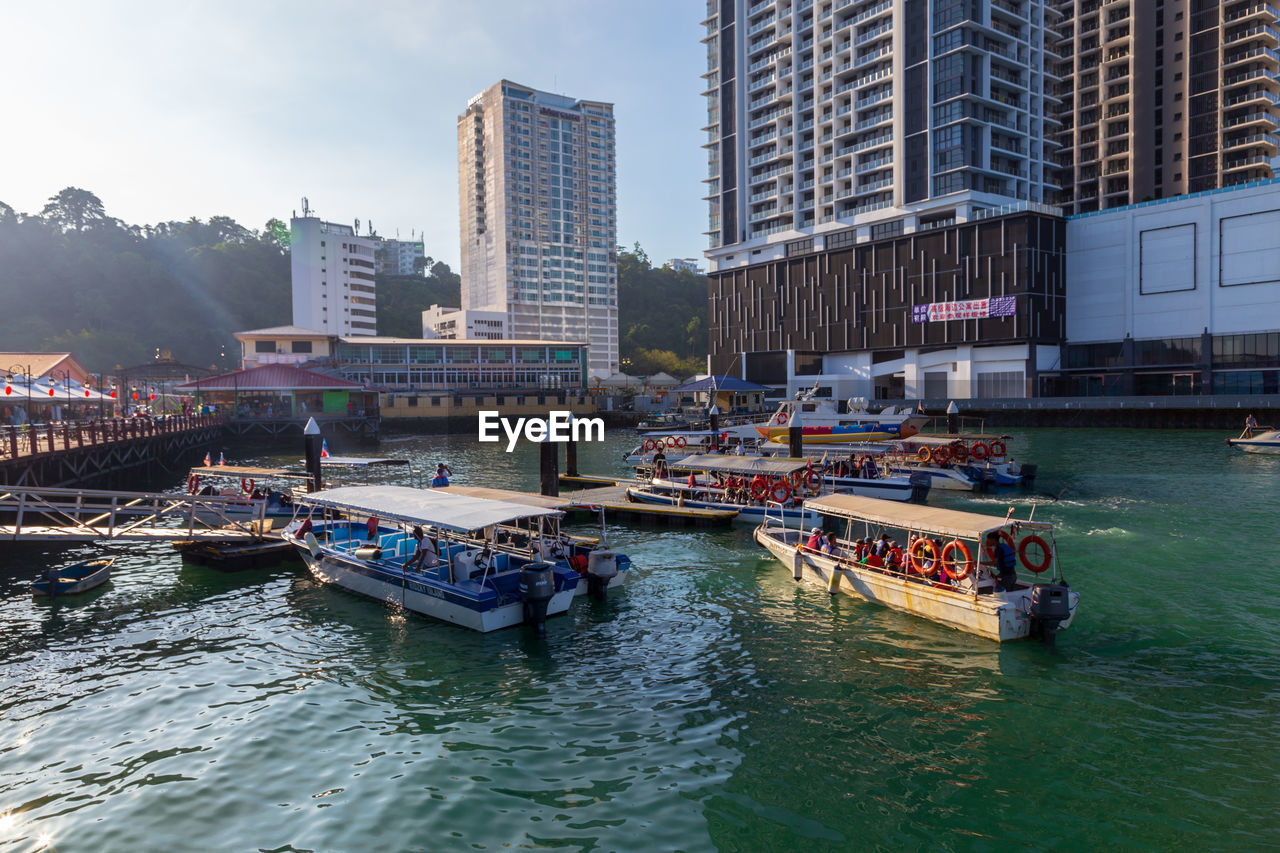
(36, 513)
(37, 439)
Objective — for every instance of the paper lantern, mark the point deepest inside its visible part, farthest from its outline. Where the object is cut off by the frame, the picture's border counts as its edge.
(86, 390)
(152, 398)
(50, 390)
(135, 395)
(113, 393)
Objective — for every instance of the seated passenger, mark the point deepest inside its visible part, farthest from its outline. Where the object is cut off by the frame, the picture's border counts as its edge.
(815, 539)
(426, 554)
(831, 547)
(1005, 569)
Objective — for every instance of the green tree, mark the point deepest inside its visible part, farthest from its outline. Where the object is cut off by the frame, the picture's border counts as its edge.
(74, 209)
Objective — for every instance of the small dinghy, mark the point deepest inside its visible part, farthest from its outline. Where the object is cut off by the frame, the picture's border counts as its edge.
(77, 577)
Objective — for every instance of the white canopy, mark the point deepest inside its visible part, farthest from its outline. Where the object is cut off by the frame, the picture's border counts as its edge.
(740, 464)
(621, 380)
(662, 380)
(924, 519)
(432, 507)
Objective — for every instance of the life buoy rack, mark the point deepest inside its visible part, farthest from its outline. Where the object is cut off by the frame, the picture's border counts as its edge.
(922, 455)
(954, 570)
(680, 442)
(979, 451)
(671, 441)
(959, 452)
(920, 564)
(782, 418)
(939, 456)
(997, 449)
(1046, 555)
(193, 484)
(784, 487)
(649, 444)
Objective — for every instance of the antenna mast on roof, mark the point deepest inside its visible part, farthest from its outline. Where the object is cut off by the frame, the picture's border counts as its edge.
(306, 207)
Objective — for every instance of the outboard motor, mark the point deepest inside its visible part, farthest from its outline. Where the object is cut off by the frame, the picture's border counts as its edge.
(1050, 606)
(602, 567)
(1028, 474)
(537, 586)
(920, 483)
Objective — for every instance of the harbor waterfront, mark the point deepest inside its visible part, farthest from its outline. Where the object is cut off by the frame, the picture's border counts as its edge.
(711, 703)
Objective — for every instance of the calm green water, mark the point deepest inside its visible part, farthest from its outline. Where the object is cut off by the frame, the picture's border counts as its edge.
(713, 705)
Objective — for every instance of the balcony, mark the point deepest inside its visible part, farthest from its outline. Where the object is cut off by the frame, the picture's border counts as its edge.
(761, 24)
(1249, 141)
(1259, 118)
(1258, 31)
(1245, 162)
(874, 121)
(1264, 55)
(872, 34)
(1263, 11)
(874, 164)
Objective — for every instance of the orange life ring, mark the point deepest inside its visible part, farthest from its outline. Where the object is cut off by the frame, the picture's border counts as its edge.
(649, 444)
(680, 442)
(949, 564)
(959, 452)
(671, 441)
(919, 564)
(193, 484)
(759, 489)
(939, 456)
(246, 486)
(782, 418)
(979, 450)
(813, 480)
(786, 491)
(1046, 554)
(922, 455)
(1004, 534)
(997, 449)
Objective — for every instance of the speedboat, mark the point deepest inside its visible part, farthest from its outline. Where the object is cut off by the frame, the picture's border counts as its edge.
(261, 493)
(823, 420)
(475, 578)
(1257, 440)
(945, 573)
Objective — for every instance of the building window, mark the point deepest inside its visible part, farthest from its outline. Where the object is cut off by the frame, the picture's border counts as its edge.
(264, 346)
(1001, 384)
(301, 346)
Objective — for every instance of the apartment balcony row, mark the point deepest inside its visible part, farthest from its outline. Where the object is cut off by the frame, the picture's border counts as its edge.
(766, 230)
(770, 173)
(761, 24)
(1251, 118)
(770, 59)
(1249, 162)
(872, 164)
(1262, 11)
(770, 155)
(1257, 32)
(760, 82)
(768, 117)
(1263, 76)
(873, 34)
(1260, 140)
(1256, 96)
(762, 215)
(769, 97)
(760, 139)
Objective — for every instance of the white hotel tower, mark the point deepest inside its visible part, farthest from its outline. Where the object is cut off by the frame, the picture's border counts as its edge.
(824, 114)
(333, 285)
(538, 202)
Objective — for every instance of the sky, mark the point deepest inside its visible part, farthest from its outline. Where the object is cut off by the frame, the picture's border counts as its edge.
(171, 110)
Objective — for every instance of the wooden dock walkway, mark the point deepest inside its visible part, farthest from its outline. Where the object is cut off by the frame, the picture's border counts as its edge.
(80, 515)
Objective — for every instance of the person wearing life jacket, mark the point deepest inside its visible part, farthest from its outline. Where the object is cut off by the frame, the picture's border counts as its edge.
(692, 483)
(831, 547)
(1005, 560)
(860, 549)
(894, 559)
(443, 473)
(815, 539)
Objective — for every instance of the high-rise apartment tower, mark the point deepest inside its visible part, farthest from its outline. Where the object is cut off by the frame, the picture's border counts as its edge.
(333, 284)
(538, 200)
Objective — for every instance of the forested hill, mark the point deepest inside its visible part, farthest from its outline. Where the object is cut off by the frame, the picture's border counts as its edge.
(74, 279)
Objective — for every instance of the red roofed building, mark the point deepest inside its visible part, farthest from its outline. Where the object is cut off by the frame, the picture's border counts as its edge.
(282, 391)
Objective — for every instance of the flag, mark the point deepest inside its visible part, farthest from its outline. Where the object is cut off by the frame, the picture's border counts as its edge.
(222, 459)
(324, 449)
(208, 460)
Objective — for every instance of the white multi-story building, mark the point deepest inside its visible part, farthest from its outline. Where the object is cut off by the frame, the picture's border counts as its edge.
(333, 284)
(464, 323)
(397, 257)
(829, 114)
(538, 201)
(686, 265)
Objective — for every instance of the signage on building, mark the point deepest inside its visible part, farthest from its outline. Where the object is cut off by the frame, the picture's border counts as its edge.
(968, 309)
(547, 111)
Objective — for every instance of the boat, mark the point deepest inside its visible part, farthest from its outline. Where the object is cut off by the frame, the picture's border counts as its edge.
(945, 576)
(754, 486)
(674, 446)
(889, 461)
(1257, 440)
(77, 577)
(980, 457)
(823, 420)
(265, 493)
(574, 552)
(480, 580)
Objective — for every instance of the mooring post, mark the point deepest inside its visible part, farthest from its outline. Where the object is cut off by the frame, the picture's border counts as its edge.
(550, 458)
(715, 426)
(311, 445)
(571, 457)
(794, 442)
(953, 418)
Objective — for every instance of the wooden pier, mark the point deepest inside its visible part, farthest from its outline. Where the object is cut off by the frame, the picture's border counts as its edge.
(65, 454)
(80, 515)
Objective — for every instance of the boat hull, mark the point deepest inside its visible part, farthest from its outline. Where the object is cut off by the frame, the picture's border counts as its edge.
(78, 577)
(948, 479)
(840, 434)
(996, 616)
(467, 604)
(1265, 442)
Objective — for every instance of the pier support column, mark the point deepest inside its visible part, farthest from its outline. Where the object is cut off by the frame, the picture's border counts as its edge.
(715, 427)
(571, 458)
(795, 443)
(549, 455)
(953, 418)
(311, 445)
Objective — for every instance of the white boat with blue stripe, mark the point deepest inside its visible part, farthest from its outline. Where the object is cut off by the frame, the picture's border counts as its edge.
(470, 575)
(1257, 440)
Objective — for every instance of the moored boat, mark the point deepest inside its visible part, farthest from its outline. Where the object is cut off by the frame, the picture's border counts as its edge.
(945, 575)
(471, 576)
(77, 577)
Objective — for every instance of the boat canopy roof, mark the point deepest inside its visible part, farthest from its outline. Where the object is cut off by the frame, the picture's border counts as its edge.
(241, 471)
(944, 440)
(361, 461)
(925, 519)
(730, 464)
(433, 507)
